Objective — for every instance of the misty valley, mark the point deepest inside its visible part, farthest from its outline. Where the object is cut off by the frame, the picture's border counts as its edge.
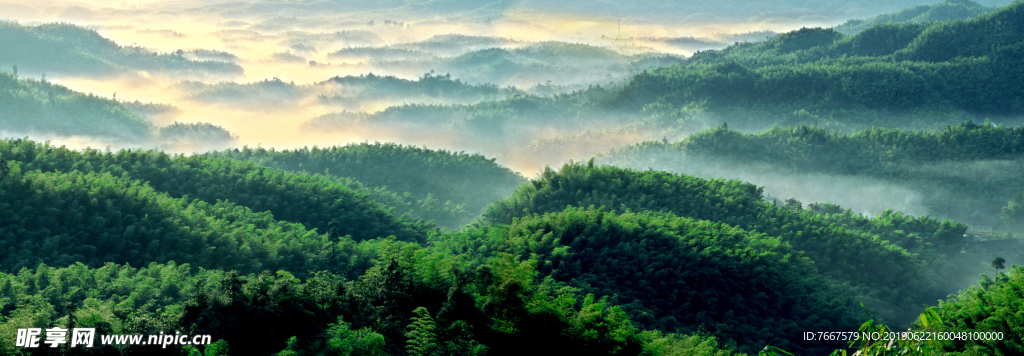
(449, 177)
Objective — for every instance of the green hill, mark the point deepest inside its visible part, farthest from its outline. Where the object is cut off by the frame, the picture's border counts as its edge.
(316, 202)
(947, 10)
(680, 274)
(41, 107)
(967, 172)
(61, 48)
(912, 267)
(437, 176)
(914, 69)
(66, 218)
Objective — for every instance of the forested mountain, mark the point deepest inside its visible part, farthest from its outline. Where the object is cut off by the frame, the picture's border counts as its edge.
(442, 87)
(690, 239)
(512, 122)
(433, 176)
(678, 274)
(357, 54)
(38, 107)
(316, 202)
(916, 70)
(28, 105)
(911, 265)
(407, 306)
(413, 297)
(177, 134)
(895, 75)
(967, 172)
(499, 61)
(944, 11)
(452, 45)
(558, 62)
(654, 250)
(61, 48)
(346, 92)
(66, 218)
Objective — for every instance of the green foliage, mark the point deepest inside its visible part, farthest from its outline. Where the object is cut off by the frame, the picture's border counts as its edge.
(928, 323)
(63, 218)
(844, 254)
(944, 11)
(115, 299)
(310, 200)
(38, 106)
(1013, 212)
(447, 187)
(359, 342)
(677, 274)
(195, 133)
(682, 345)
(69, 49)
(981, 160)
(964, 65)
(998, 264)
(259, 313)
(421, 340)
(991, 306)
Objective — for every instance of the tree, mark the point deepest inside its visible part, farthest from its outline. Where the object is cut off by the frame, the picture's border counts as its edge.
(4, 170)
(422, 340)
(1013, 212)
(929, 321)
(998, 264)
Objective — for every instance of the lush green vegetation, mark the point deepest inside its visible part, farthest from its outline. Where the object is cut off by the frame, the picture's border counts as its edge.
(944, 11)
(57, 109)
(414, 301)
(74, 50)
(963, 66)
(981, 161)
(336, 250)
(61, 219)
(35, 107)
(993, 305)
(680, 274)
(316, 202)
(707, 266)
(911, 267)
(893, 75)
(196, 133)
(457, 181)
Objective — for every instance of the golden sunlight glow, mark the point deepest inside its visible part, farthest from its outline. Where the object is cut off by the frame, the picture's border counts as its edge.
(295, 51)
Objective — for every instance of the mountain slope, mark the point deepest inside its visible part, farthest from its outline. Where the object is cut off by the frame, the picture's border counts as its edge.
(845, 255)
(316, 202)
(472, 181)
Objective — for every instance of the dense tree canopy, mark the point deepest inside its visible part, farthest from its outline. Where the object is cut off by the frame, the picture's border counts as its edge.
(848, 255)
(315, 202)
(982, 161)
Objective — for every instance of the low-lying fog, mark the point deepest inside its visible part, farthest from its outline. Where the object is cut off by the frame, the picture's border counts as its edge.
(304, 60)
(315, 73)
